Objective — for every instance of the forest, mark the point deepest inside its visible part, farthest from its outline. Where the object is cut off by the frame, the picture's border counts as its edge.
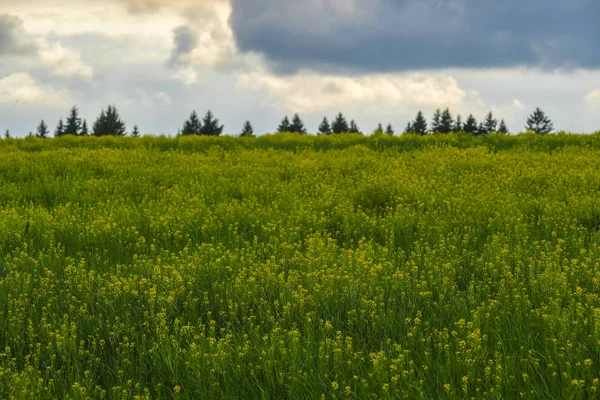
(109, 123)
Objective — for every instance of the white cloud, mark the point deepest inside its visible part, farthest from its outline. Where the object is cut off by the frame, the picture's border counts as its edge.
(22, 88)
(206, 41)
(141, 98)
(187, 75)
(308, 92)
(112, 19)
(63, 61)
(593, 98)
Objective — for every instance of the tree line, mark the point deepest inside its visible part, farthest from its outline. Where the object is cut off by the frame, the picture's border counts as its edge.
(109, 123)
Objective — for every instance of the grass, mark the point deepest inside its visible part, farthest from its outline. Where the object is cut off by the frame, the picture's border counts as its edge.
(300, 267)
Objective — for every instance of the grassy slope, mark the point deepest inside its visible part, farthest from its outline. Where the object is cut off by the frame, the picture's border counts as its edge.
(296, 267)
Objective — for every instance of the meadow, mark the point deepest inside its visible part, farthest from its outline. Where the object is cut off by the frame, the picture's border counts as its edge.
(297, 267)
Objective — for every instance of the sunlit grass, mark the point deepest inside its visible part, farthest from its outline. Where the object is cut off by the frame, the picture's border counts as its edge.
(300, 267)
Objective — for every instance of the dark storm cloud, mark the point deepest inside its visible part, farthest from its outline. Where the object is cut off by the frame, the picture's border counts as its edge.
(395, 35)
(13, 39)
(185, 41)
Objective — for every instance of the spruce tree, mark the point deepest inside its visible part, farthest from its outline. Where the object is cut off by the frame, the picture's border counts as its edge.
(353, 127)
(436, 121)
(84, 129)
(297, 125)
(115, 124)
(379, 129)
(7, 134)
(480, 130)
(446, 122)
(99, 127)
(192, 126)
(458, 126)
(42, 130)
(340, 125)
(419, 125)
(502, 128)
(135, 132)
(248, 130)
(389, 130)
(109, 123)
(73, 123)
(60, 129)
(489, 124)
(409, 128)
(325, 128)
(470, 125)
(539, 122)
(285, 125)
(210, 125)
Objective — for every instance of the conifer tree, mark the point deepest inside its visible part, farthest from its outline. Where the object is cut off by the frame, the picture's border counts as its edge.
(210, 125)
(502, 128)
(297, 125)
(109, 123)
(419, 125)
(99, 127)
(446, 122)
(42, 130)
(248, 130)
(73, 123)
(389, 130)
(489, 124)
(436, 121)
(325, 128)
(84, 129)
(340, 125)
(285, 125)
(458, 126)
(7, 134)
(353, 127)
(379, 128)
(192, 126)
(480, 130)
(60, 129)
(470, 125)
(409, 128)
(539, 122)
(135, 132)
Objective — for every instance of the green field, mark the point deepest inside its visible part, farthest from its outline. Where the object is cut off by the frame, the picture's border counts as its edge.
(300, 267)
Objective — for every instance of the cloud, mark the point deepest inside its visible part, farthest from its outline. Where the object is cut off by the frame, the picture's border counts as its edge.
(13, 38)
(143, 6)
(16, 42)
(400, 35)
(185, 40)
(141, 98)
(22, 88)
(593, 98)
(309, 92)
(63, 61)
(187, 75)
(205, 42)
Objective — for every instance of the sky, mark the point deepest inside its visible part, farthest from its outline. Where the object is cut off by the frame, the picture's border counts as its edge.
(375, 61)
